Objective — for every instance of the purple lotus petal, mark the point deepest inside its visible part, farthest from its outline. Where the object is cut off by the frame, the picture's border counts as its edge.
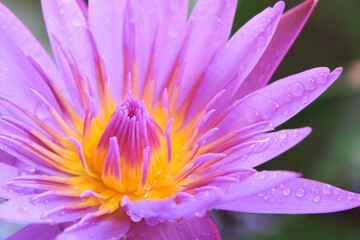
(278, 101)
(288, 29)
(297, 196)
(236, 58)
(113, 226)
(37, 231)
(172, 208)
(169, 39)
(108, 34)
(209, 27)
(23, 39)
(265, 148)
(27, 209)
(7, 175)
(201, 228)
(258, 182)
(70, 38)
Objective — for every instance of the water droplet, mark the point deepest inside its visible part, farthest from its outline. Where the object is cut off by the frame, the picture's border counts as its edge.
(310, 84)
(298, 89)
(21, 173)
(336, 191)
(289, 98)
(300, 192)
(269, 109)
(339, 198)
(252, 115)
(261, 42)
(283, 135)
(350, 195)
(261, 194)
(326, 188)
(305, 99)
(266, 19)
(266, 197)
(91, 235)
(317, 199)
(42, 112)
(214, 24)
(286, 192)
(323, 78)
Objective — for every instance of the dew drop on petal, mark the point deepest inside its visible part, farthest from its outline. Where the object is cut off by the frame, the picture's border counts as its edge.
(300, 192)
(350, 195)
(269, 109)
(298, 90)
(286, 192)
(323, 78)
(305, 99)
(326, 188)
(310, 84)
(317, 199)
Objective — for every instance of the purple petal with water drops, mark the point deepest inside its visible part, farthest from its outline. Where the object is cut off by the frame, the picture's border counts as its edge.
(287, 31)
(264, 148)
(257, 182)
(279, 101)
(298, 196)
(106, 23)
(27, 209)
(69, 37)
(113, 226)
(201, 228)
(176, 207)
(169, 39)
(23, 41)
(209, 27)
(38, 231)
(7, 174)
(233, 62)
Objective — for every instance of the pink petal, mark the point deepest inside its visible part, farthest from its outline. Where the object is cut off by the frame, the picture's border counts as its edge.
(209, 27)
(68, 34)
(279, 101)
(235, 60)
(38, 232)
(26, 209)
(256, 183)
(287, 31)
(201, 228)
(298, 196)
(113, 226)
(106, 23)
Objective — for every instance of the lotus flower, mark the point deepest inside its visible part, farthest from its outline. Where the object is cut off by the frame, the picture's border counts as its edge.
(151, 118)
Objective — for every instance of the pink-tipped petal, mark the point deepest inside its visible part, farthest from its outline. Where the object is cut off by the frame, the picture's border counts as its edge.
(201, 228)
(38, 231)
(106, 23)
(113, 226)
(209, 27)
(236, 58)
(298, 196)
(279, 101)
(287, 31)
